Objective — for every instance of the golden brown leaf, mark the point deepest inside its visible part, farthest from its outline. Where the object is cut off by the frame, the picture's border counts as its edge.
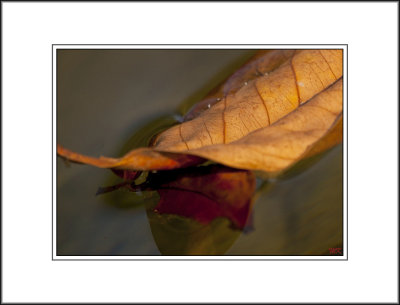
(276, 147)
(268, 115)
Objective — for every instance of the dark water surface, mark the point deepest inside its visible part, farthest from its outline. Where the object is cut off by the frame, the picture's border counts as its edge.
(110, 101)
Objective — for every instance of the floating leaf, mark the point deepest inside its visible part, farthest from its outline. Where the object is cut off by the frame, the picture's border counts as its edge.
(268, 115)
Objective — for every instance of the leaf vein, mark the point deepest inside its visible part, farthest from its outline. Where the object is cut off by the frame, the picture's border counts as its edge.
(295, 80)
(204, 123)
(329, 66)
(180, 134)
(263, 102)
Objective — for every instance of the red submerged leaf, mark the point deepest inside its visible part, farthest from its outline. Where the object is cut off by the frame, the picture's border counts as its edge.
(208, 193)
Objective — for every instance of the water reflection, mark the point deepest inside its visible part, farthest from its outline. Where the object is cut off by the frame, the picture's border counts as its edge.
(200, 211)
